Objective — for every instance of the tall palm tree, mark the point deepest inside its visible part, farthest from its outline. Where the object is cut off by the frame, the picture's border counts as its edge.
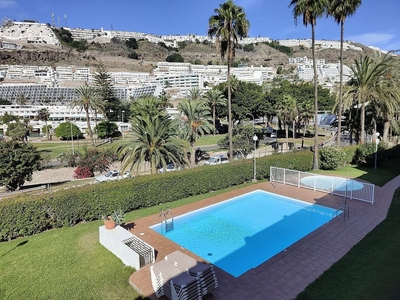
(287, 113)
(311, 10)
(228, 25)
(87, 100)
(306, 111)
(155, 141)
(43, 115)
(195, 114)
(366, 85)
(340, 10)
(387, 103)
(214, 98)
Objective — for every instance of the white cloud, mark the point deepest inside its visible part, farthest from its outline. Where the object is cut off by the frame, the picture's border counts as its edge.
(4, 4)
(381, 40)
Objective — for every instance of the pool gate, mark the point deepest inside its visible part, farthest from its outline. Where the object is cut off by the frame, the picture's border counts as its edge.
(293, 177)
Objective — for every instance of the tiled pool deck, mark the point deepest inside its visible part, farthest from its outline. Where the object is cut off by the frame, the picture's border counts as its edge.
(291, 271)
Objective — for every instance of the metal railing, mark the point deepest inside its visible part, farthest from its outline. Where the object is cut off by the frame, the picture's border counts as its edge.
(344, 187)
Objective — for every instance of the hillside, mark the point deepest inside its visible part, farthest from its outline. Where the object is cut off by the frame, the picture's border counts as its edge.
(115, 55)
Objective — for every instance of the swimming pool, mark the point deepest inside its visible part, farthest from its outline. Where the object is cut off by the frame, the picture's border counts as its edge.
(242, 233)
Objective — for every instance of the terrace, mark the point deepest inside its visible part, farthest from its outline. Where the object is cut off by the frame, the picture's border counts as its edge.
(291, 271)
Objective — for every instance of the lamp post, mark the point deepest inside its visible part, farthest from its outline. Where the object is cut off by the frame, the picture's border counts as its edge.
(122, 126)
(376, 149)
(72, 138)
(255, 138)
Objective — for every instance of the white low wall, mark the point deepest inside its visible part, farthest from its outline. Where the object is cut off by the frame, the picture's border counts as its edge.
(113, 239)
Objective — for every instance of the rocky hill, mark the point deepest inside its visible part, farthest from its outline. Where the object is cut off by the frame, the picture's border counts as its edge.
(115, 55)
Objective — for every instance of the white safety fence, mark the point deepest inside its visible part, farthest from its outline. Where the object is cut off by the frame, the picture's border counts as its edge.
(344, 187)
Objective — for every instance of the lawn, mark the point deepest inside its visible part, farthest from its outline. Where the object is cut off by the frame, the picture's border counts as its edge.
(369, 271)
(69, 263)
(385, 172)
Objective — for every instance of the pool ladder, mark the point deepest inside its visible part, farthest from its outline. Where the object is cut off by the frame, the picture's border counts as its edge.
(345, 209)
(169, 223)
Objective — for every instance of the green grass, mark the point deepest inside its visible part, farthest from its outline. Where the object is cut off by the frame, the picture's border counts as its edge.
(66, 263)
(208, 140)
(70, 263)
(385, 172)
(370, 270)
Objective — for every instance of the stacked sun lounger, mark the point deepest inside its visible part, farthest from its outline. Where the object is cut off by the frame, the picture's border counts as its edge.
(203, 272)
(174, 283)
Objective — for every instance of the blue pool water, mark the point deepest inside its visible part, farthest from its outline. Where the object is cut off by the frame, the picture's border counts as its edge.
(242, 233)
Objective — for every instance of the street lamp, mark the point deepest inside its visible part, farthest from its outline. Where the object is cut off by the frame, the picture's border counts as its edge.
(72, 138)
(255, 138)
(122, 126)
(376, 149)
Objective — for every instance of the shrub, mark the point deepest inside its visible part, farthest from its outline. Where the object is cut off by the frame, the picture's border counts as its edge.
(330, 158)
(83, 172)
(175, 57)
(133, 55)
(365, 154)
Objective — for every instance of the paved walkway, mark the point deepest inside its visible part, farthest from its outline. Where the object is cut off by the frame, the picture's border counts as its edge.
(291, 271)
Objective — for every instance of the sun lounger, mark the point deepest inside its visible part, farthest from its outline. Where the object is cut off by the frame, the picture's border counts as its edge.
(203, 272)
(174, 283)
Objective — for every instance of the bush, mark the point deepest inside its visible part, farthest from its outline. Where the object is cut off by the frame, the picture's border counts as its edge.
(175, 57)
(133, 55)
(248, 48)
(330, 158)
(83, 172)
(365, 154)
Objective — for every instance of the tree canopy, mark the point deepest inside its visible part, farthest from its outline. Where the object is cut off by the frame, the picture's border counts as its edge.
(67, 131)
(18, 162)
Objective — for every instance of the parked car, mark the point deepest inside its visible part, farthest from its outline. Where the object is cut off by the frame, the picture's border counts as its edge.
(112, 175)
(268, 129)
(218, 159)
(273, 134)
(169, 168)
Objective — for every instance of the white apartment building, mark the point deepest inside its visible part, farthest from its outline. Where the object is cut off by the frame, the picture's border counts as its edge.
(35, 32)
(58, 115)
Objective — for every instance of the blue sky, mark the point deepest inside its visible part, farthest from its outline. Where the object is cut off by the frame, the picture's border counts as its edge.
(374, 24)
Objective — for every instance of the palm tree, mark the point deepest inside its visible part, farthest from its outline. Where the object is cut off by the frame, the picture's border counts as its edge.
(306, 111)
(195, 114)
(215, 97)
(387, 103)
(340, 10)
(228, 25)
(155, 141)
(43, 115)
(311, 10)
(195, 94)
(368, 83)
(148, 105)
(287, 113)
(165, 101)
(87, 100)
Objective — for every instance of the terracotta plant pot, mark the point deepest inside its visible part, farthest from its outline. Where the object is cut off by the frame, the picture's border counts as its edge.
(109, 224)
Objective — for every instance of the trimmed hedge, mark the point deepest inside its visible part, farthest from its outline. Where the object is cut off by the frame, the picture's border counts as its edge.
(29, 215)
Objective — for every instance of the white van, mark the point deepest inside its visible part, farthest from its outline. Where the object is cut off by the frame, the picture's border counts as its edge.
(218, 159)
